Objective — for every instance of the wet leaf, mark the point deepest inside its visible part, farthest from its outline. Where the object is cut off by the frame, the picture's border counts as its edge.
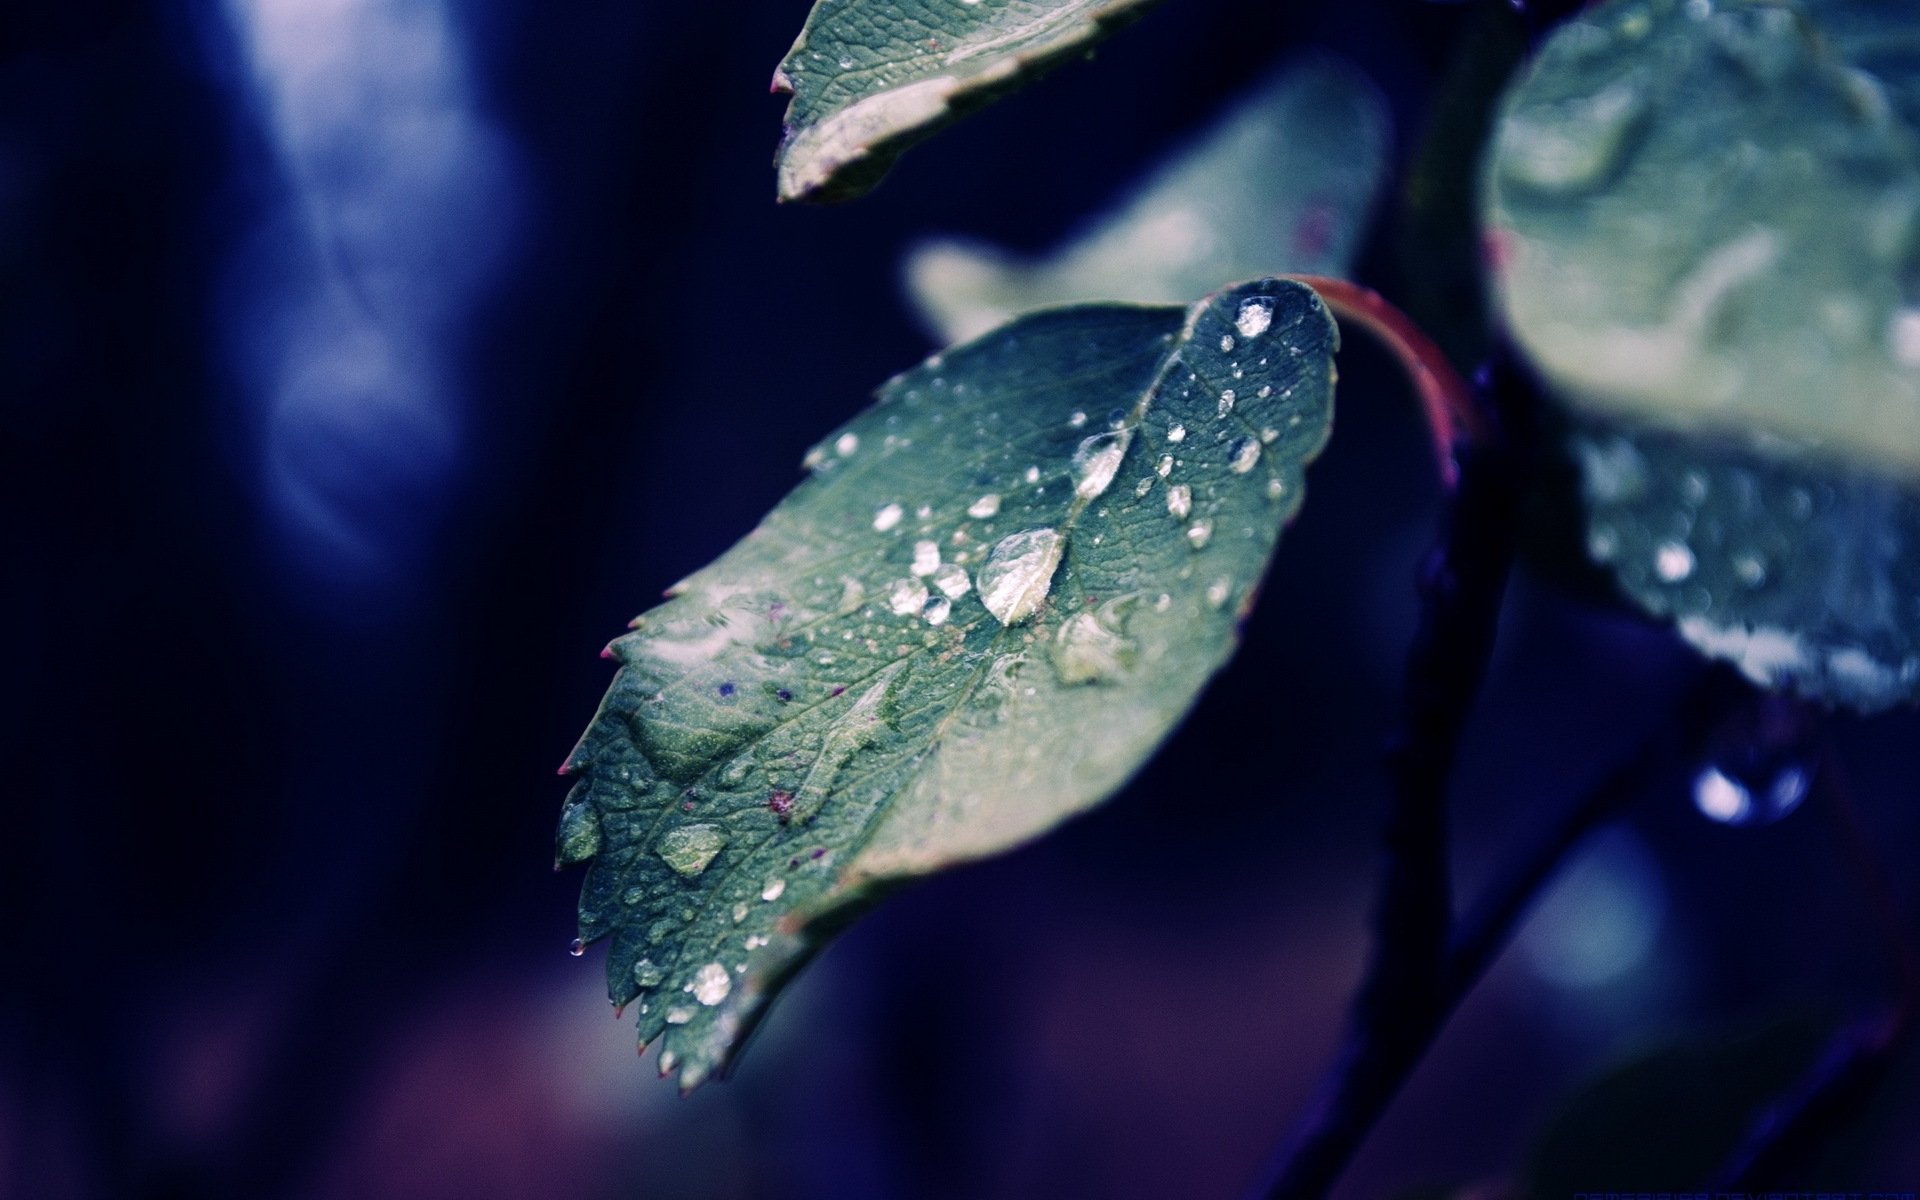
(1285, 182)
(1001, 587)
(1705, 225)
(870, 78)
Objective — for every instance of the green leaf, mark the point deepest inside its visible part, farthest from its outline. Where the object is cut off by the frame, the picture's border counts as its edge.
(1283, 183)
(870, 78)
(1002, 586)
(1705, 223)
(1706, 217)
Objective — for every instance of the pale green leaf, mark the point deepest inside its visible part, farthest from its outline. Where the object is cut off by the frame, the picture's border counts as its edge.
(1285, 182)
(1706, 216)
(1001, 587)
(870, 78)
(1704, 222)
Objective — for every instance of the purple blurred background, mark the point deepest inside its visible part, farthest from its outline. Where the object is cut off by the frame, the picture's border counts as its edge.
(365, 364)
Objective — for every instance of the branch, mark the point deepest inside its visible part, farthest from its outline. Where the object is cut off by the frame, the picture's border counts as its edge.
(1387, 1041)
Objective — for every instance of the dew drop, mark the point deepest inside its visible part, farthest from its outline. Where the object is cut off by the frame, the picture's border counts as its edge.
(1087, 649)
(1076, 420)
(926, 558)
(1750, 569)
(846, 445)
(1226, 343)
(678, 1015)
(1180, 500)
(1759, 765)
(1672, 561)
(711, 984)
(1096, 460)
(1176, 433)
(1242, 455)
(1254, 317)
(906, 597)
(937, 610)
(576, 948)
(952, 581)
(1018, 574)
(647, 973)
(1228, 398)
(1164, 467)
(1033, 475)
(773, 889)
(1218, 591)
(690, 848)
(1144, 486)
(985, 506)
(1200, 533)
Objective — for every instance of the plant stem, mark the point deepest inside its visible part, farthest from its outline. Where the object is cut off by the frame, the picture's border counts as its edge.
(1386, 1041)
(1452, 410)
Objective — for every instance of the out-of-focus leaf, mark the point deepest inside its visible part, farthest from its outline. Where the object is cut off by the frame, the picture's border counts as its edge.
(870, 78)
(1705, 224)
(1706, 217)
(1000, 589)
(1285, 182)
(1804, 575)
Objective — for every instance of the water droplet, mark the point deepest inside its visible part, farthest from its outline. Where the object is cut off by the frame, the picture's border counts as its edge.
(1144, 486)
(1226, 343)
(576, 947)
(985, 506)
(1228, 398)
(1602, 543)
(1200, 533)
(1033, 475)
(678, 1015)
(1254, 317)
(1750, 569)
(906, 597)
(711, 984)
(937, 610)
(690, 848)
(1269, 436)
(1242, 454)
(1672, 561)
(1164, 467)
(1218, 591)
(1018, 573)
(1176, 433)
(926, 558)
(846, 445)
(1164, 603)
(773, 889)
(1180, 500)
(887, 518)
(1573, 144)
(633, 895)
(647, 973)
(1096, 460)
(952, 580)
(1759, 766)
(1076, 420)
(1087, 649)
(579, 837)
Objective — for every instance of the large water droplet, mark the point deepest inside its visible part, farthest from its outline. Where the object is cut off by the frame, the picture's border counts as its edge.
(690, 848)
(711, 984)
(985, 506)
(846, 445)
(1018, 573)
(1254, 317)
(1176, 433)
(576, 948)
(887, 517)
(773, 889)
(1096, 460)
(1759, 766)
